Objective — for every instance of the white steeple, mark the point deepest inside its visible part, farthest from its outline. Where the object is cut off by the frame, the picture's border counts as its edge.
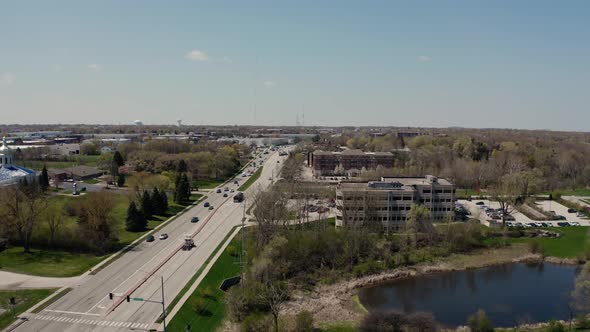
(5, 153)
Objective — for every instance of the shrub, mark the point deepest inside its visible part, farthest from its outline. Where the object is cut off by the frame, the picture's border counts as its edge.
(257, 322)
(555, 326)
(582, 322)
(479, 322)
(232, 250)
(535, 247)
(304, 322)
(199, 305)
(366, 268)
(383, 322)
(208, 292)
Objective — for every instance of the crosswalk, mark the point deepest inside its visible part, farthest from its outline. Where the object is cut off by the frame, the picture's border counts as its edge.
(95, 322)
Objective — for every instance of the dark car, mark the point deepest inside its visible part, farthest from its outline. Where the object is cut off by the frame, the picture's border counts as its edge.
(224, 194)
(195, 219)
(479, 203)
(563, 224)
(150, 238)
(218, 191)
(560, 217)
(544, 224)
(210, 207)
(206, 204)
(236, 182)
(570, 210)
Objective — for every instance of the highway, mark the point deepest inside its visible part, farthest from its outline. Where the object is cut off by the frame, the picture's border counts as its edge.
(138, 272)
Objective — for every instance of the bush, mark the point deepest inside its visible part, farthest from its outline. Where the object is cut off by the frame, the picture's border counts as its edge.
(582, 322)
(304, 322)
(422, 322)
(479, 322)
(555, 326)
(199, 305)
(257, 322)
(366, 268)
(535, 247)
(207, 292)
(383, 322)
(232, 250)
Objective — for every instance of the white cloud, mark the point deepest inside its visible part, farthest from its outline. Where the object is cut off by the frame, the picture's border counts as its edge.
(197, 55)
(270, 84)
(95, 67)
(424, 58)
(7, 79)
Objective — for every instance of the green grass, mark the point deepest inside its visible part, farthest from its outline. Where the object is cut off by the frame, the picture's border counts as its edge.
(207, 184)
(210, 318)
(464, 193)
(343, 326)
(576, 192)
(24, 300)
(68, 162)
(251, 180)
(573, 242)
(91, 181)
(48, 263)
(62, 263)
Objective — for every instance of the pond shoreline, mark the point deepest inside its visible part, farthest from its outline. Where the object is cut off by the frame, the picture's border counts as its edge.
(333, 303)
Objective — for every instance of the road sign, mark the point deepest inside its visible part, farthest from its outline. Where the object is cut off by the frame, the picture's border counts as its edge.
(137, 299)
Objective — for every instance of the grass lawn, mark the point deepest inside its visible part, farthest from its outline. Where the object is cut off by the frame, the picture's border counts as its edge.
(207, 184)
(24, 300)
(577, 192)
(71, 161)
(464, 193)
(61, 263)
(251, 180)
(573, 242)
(91, 181)
(209, 293)
(48, 263)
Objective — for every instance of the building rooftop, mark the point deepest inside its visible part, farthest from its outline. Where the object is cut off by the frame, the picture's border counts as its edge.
(392, 183)
(354, 152)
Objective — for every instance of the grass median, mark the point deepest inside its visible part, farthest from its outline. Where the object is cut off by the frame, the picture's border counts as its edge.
(205, 309)
(24, 299)
(251, 180)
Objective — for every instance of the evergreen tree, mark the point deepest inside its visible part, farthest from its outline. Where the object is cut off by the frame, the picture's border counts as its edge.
(147, 206)
(163, 201)
(157, 201)
(183, 190)
(136, 221)
(44, 179)
(121, 180)
(118, 159)
(181, 167)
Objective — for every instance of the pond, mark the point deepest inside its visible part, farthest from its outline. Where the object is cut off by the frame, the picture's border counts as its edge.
(510, 294)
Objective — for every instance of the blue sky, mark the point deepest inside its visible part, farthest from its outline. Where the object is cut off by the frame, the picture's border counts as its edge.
(517, 64)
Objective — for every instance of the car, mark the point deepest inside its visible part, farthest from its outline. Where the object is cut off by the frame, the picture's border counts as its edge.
(480, 203)
(518, 224)
(544, 224)
(509, 218)
(495, 216)
(537, 224)
(563, 224)
(150, 238)
(231, 190)
(530, 224)
(218, 191)
(560, 217)
(163, 236)
(236, 182)
(224, 194)
(211, 207)
(570, 210)
(206, 204)
(244, 175)
(574, 223)
(194, 219)
(226, 189)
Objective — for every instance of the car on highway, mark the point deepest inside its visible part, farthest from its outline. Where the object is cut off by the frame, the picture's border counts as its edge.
(206, 204)
(163, 236)
(150, 238)
(211, 207)
(194, 219)
(236, 182)
(218, 191)
(226, 189)
(224, 194)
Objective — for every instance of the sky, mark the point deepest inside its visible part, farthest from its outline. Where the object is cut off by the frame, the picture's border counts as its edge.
(467, 63)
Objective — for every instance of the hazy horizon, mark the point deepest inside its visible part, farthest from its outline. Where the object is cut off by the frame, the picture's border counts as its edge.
(438, 64)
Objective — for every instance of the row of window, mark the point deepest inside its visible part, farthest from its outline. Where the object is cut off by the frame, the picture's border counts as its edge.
(439, 191)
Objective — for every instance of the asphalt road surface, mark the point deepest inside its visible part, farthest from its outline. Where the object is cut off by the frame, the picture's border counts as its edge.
(138, 272)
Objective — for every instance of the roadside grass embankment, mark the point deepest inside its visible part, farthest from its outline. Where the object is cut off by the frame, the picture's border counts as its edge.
(25, 299)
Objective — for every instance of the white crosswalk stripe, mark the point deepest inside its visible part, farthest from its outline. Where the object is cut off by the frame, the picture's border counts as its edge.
(74, 320)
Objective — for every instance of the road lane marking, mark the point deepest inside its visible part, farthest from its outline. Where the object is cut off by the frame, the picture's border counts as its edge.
(71, 312)
(75, 321)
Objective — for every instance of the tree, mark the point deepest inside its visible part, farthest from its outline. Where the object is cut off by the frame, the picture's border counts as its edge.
(183, 190)
(383, 322)
(479, 322)
(581, 292)
(121, 180)
(136, 221)
(270, 211)
(147, 204)
(96, 221)
(159, 201)
(181, 167)
(23, 205)
(274, 296)
(506, 193)
(418, 223)
(44, 179)
(118, 159)
(53, 217)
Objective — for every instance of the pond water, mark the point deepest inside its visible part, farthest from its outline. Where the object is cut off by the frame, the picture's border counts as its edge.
(510, 294)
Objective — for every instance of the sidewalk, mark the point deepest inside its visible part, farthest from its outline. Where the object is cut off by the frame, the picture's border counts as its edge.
(12, 281)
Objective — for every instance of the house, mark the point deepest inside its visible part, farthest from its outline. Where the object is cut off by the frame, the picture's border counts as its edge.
(11, 174)
(106, 149)
(81, 173)
(57, 175)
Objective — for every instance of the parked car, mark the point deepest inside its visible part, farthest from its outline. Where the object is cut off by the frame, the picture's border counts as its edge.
(563, 224)
(574, 223)
(195, 219)
(206, 204)
(480, 203)
(530, 224)
(149, 238)
(570, 210)
(560, 217)
(163, 236)
(226, 189)
(236, 182)
(231, 190)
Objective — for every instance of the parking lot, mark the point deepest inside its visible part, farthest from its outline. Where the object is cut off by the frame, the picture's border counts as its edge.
(479, 213)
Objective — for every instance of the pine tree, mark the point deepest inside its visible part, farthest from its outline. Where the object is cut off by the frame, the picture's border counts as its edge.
(181, 167)
(183, 190)
(44, 179)
(147, 206)
(136, 221)
(121, 180)
(163, 201)
(118, 159)
(156, 201)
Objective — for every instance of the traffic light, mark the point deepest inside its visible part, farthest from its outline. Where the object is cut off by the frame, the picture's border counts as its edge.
(110, 296)
(128, 298)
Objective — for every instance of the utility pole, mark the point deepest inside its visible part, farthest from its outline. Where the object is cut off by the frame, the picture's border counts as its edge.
(163, 305)
(242, 246)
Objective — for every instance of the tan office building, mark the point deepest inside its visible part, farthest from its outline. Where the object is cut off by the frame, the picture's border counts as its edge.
(388, 201)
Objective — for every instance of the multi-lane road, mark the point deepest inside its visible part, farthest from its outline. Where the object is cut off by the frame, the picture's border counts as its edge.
(138, 272)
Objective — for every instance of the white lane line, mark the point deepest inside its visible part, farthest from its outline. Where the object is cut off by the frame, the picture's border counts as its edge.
(77, 321)
(71, 312)
(134, 325)
(145, 326)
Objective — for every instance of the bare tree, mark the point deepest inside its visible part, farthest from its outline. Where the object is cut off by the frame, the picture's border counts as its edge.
(506, 193)
(96, 221)
(270, 212)
(274, 296)
(53, 217)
